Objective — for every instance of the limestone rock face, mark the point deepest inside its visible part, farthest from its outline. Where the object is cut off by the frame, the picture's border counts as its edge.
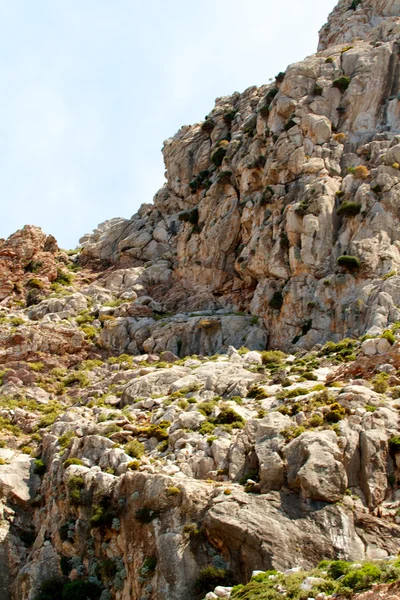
(145, 433)
(351, 21)
(265, 198)
(25, 252)
(315, 468)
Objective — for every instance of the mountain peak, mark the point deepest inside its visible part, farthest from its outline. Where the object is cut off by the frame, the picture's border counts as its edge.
(361, 19)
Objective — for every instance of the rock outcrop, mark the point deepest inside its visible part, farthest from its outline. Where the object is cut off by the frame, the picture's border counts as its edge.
(266, 199)
(151, 446)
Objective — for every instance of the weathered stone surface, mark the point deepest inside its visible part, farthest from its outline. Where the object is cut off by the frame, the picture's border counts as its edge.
(314, 466)
(252, 244)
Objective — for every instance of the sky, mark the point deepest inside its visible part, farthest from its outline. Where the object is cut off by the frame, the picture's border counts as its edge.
(90, 89)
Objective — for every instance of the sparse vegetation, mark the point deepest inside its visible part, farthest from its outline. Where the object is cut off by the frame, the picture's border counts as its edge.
(351, 263)
(341, 84)
(349, 209)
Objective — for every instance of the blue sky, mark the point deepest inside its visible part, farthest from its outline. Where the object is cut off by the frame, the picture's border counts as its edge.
(90, 89)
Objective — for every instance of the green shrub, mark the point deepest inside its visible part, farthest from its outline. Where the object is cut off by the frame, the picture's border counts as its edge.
(75, 487)
(81, 590)
(354, 4)
(264, 110)
(201, 181)
(133, 465)
(276, 301)
(35, 284)
(89, 331)
(77, 377)
(336, 413)
(341, 84)
(208, 125)
(218, 156)
(206, 428)
(349, 209)
(190, 216)
(315, 420)
(363, 578)
(72, 461)
(48, 419)
(33, 266)
(349, 262)
(344, 347)
(84, 317)
(292, 393)
(394, 444)
(157, 431)
(90, 364)
(206, 408)
(389, 336)
(146, 515)
(395, 392)
(292, 432)
(390, 274)
(135, 449)
(211, 577)
(65, 440)
(108, 568)
(309, 376)
(225, 177)
(272, 357)
(102, 514)
(148, 565)
(50, 589)
(380, 383)
(257, 392)
(228, 416)
(63, 277)
(229, 115)
(39, 467)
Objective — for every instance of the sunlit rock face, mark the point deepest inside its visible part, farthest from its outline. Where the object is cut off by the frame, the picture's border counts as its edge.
(154, 443)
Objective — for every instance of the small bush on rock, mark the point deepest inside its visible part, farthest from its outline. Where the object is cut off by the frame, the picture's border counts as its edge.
(389, 336)
(380, 383)
(75, 487)
(351, 263)
(257, 392)
(272, 357)
(336, 413)
(72, 461)
(341, 84)
(361, 579)
(228, 416)
(211, 577)
(394, 444)
(79, 590)
(51, 589)
(146, 515)
(360, 172)
(39, 467)
(208, 125)
(276, 301)
(135, 449)
(349, 209)
(218, 156)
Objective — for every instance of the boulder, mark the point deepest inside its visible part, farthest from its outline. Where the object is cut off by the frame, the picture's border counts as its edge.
(314, 467)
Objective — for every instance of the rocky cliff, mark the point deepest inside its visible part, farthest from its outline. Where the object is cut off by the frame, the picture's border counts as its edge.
(210, 388)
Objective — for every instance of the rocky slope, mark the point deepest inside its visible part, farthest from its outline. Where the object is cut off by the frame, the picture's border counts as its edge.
(211, 388)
